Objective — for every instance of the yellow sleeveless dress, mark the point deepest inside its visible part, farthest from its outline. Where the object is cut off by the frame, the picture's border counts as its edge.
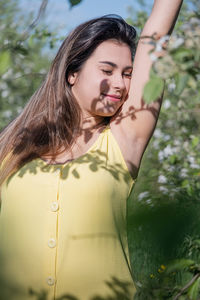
(63, 228)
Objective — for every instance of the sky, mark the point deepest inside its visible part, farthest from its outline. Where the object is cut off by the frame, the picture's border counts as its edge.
(59, 14)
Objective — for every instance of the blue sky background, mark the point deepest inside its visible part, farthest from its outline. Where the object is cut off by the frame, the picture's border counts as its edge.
(59, 14)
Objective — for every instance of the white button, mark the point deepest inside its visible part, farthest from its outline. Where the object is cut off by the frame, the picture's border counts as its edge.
(51, 243)
(54, 206)
(50, 280)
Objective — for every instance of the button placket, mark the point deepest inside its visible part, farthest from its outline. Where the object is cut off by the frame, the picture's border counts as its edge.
(52, 243)
(52, 233)
(50, 280)
(54, 206)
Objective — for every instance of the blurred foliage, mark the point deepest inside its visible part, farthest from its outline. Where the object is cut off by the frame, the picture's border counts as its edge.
(23, 58)
(164, 215)
(24, 61)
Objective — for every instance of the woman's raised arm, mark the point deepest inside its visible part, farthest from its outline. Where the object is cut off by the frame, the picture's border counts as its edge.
(139, 129)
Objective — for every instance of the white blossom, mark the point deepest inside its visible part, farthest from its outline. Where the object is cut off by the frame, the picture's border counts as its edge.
(184, 129)
(162, 40)
(19, 109)
(170, 168)
(43, 71)
(158, 133)
(7, 113)
(191, 159)
(183, 172)
(7, 74)
(3, 85)
(168, 150)
(185, 26)
(163, 189)
(138, 283)
(143, 195)
(156, 144)
(5, 93)
(158, 47)
(180, 104)
(167, 104)
(194, 21)
(177, 143)
(194, 166)
(162, 179)
(153, 57)
(161, 155)
(18, 74)
(6, 42)
(192, 136)
(166, 137)
(171, 86)
(177, 43)
(170, 123)
(148, 201)
(174, 191)
(185, 145)
(2, 26)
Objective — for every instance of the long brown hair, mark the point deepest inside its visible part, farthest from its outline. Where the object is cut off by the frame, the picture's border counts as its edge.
(48, 120)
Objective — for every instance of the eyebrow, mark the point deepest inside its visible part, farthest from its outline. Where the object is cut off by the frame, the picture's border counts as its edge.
(114, 65)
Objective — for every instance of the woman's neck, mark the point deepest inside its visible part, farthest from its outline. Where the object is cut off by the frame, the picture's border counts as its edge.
(91, 123)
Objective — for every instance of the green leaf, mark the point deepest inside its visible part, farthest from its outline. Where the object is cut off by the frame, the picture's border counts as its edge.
(185, 183)
(5, 61)
(181, 53)
(21, 49)
(179, 264)
(93, 167)
(193, 291)
(173, 158)
(153, 89)
(197, 242)
(76, 174)
(195, 141)
(74, 2)
(181, 82)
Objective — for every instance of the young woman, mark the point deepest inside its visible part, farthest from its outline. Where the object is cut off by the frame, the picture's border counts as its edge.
(69, 162)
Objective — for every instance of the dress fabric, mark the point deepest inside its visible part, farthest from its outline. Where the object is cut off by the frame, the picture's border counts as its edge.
(63, 228)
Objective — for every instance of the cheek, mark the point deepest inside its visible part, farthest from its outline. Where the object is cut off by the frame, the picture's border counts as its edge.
(128, 85)
(104, 86)
(89, 90)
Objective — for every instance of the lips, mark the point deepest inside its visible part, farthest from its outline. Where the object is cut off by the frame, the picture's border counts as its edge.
(114, 98)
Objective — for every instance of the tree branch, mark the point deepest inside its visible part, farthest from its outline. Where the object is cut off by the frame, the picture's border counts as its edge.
(187, 286)
(34, 23)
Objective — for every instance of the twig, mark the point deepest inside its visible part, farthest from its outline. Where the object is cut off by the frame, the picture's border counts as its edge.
(34, 23)
(187, 286)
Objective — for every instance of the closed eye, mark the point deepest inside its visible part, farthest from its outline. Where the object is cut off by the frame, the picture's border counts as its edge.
(109, 72)
(129, 75)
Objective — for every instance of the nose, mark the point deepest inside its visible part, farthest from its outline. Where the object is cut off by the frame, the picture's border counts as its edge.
(118, 82)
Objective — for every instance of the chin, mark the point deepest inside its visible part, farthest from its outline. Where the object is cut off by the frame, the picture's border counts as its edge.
(105, 113)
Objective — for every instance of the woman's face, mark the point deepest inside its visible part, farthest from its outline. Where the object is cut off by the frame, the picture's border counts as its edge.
(102, 84)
